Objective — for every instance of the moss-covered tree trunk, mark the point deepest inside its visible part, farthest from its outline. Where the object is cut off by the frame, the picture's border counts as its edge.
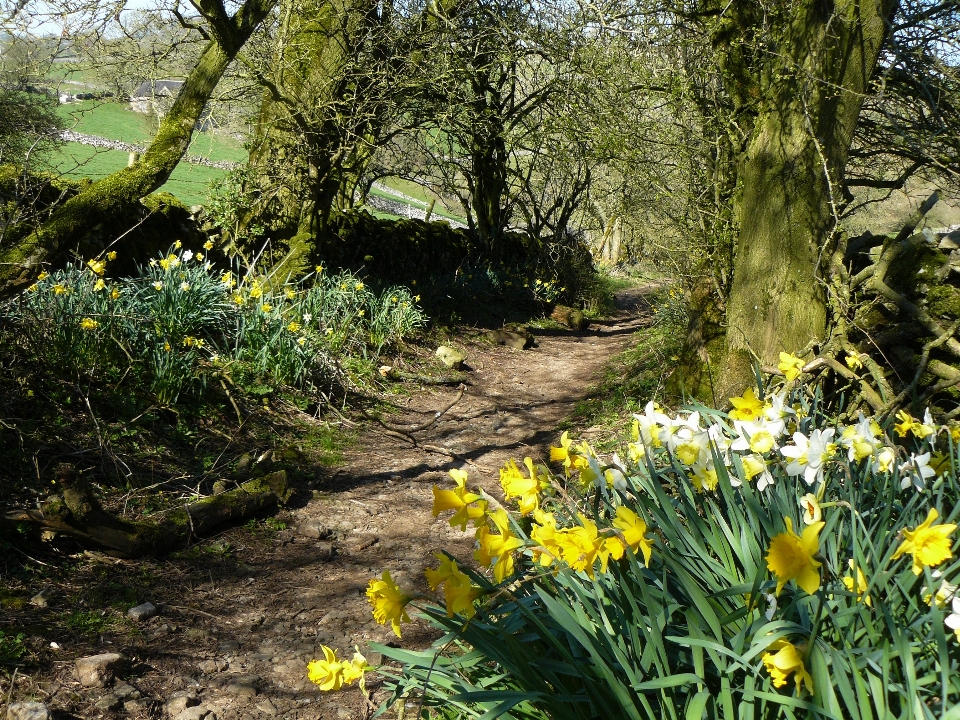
(318, 120)
(811, 91)
(117, 193)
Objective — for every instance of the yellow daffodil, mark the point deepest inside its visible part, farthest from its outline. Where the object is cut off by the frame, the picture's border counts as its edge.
(355, 669)
(208, 245)
(514, 484)
(60, 289)
(114, 294)
(583, 545)
(177, 245)
(496, 549)
(389, 604)
(158, 285)
(567, 454)
(99, 284)
(358, 286)
(941, 463)
(43, 275)
(458, 499)
(228, 280)
(266, 307)
(289, 294)
(853, 361)
(238, 299)
(704, 477)
(318, 269)
(97, 266)
(89, 324)
(790, 365)
(634, 529)
(200, 257)
(327, 674)
(790, 557)
(543, 534)
(293, 326)
(929, 544)
(784, 660)
(909, 424)
(857, 584)
(459, 593)
(747, 406)
(112, 255)
(32, 288)
(256, 291)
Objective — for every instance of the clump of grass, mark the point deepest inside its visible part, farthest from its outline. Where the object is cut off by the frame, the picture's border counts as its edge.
(639, 372)
(180, 325)
(13, 648)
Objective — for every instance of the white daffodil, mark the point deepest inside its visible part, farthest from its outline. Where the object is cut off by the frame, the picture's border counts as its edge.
(809, 455)
(953, 619)
(861, 440)
(754, 466)
(648, 424)
(757, 437)
(915, 471)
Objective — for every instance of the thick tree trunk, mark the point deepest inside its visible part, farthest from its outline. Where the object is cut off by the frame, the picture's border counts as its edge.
(117, 193)
(789, 177)
(317, 117)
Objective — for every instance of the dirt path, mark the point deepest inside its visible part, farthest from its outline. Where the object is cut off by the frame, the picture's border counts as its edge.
(237, 635)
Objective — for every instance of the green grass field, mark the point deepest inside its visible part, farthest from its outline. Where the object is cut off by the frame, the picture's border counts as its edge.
(115, 121)
(189, 183)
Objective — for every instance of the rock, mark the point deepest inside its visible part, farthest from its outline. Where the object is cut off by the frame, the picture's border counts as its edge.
(267, 708)
(180, 701)
(291, 454)
(28, 711)
(515, 340)
(197, 713)
(126, 691)
(42, 598)
(244, 463)
(242, 690)
(134, 707)
(98, 670)
(570, 317)
(109, 702)
(315, 530)
(161, 631)
(142, 612)
(208, 667)
(229, 646)
(219, 487)
(450, 357)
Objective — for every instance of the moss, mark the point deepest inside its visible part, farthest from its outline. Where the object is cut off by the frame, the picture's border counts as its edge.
(12, 599)
(944, 300)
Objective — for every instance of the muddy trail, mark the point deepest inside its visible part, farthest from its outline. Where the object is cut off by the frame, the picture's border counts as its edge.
(239, 619)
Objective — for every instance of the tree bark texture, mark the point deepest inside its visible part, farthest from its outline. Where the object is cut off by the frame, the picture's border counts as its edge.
(811, 92)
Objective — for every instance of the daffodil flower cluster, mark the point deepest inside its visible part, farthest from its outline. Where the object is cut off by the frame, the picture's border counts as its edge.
(332, 674)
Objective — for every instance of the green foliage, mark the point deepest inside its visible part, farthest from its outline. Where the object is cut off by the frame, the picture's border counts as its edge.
(696, 631)
(179, 325)
(89, 623)
(12, 648)
(670, 310)
(28, 125)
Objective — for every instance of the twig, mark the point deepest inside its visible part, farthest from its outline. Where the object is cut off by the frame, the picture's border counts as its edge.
(422, 426)
(13, 681)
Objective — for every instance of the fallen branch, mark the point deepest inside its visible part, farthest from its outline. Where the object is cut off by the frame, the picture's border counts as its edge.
(78, 514)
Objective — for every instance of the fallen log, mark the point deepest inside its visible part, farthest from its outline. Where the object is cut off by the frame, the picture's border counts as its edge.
(78, 514)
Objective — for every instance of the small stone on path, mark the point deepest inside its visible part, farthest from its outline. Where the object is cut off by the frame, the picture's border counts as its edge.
(42, 598)
(197, 713)
(98, 670)
(180, 701)
(142, 612)
(28, 711)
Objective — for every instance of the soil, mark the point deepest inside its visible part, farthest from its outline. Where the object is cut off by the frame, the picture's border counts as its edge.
(242, 614)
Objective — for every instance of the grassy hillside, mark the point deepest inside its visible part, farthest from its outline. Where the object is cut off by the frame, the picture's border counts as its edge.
(189, 182)
(116, 121)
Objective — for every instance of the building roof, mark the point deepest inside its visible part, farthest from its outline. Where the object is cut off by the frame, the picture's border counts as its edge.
(153, 88)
